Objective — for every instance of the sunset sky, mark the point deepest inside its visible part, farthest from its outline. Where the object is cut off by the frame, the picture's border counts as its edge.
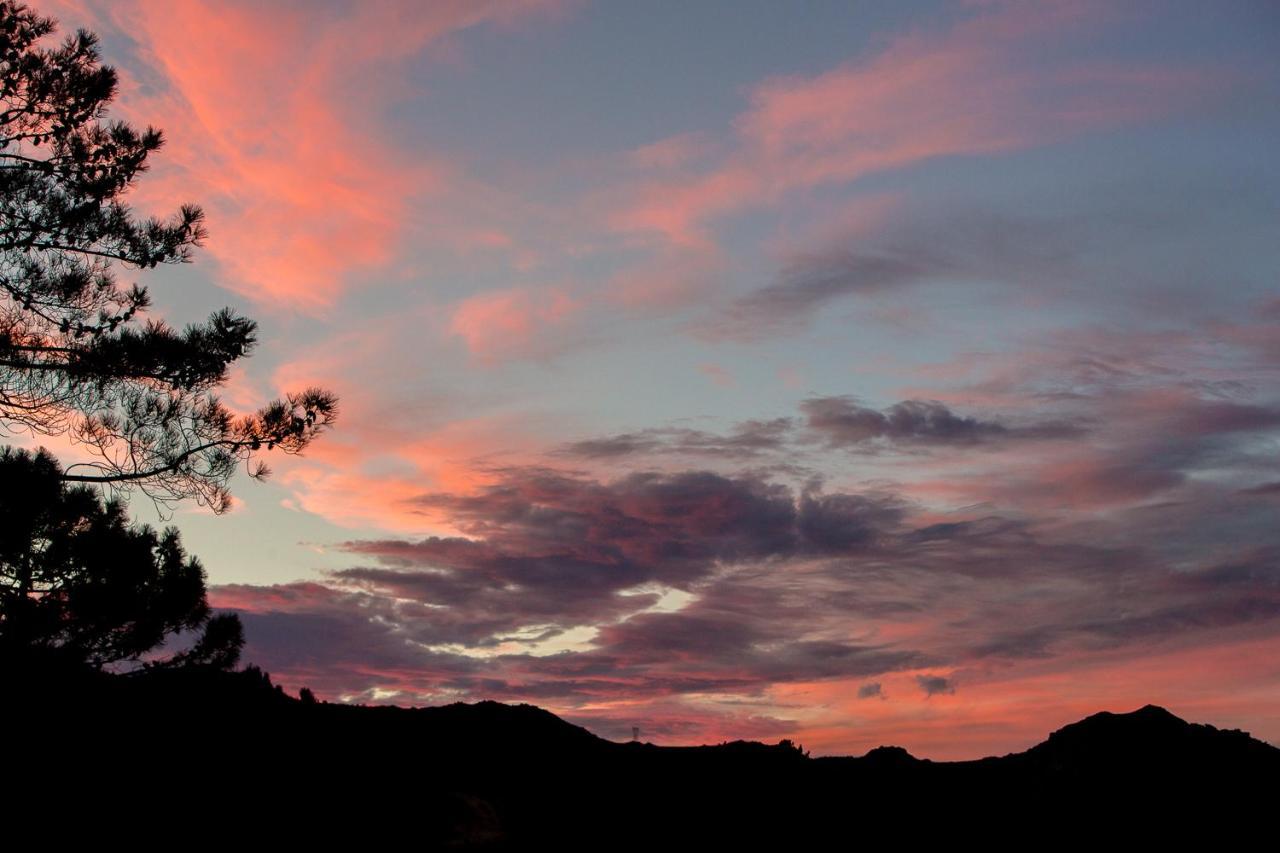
(858, 373)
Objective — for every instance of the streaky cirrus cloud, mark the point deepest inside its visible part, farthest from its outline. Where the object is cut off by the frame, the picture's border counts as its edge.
(909, 253)
(965, 90)
(836, 422)
(272, 117)
(745, 440)
(808, 282)
(843, 422)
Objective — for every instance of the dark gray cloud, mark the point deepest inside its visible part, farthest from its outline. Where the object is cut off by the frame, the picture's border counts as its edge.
(557, 550)
(843, 422)
(636, 591)
(1101, 232)
(807, 283)
(1006, 593)
(839, 421)
(1222, 417)
(935, 685)
(621, 444)
(776, 578)
(871, 690)
(342, 643)
(1264, 490)
(746, 440)
(705, 640)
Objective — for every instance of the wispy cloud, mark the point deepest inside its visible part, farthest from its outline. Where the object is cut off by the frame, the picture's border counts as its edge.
(272, 116)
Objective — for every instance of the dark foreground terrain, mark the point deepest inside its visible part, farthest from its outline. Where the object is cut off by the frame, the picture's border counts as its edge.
(206, 752)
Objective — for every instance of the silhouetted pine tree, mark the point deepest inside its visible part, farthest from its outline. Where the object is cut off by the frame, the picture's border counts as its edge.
(75, 356)
(80, 586)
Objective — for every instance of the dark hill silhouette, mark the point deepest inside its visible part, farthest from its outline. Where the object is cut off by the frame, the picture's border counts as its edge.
(493, 776)
(1145, 742)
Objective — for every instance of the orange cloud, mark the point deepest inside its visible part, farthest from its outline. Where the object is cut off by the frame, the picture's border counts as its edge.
(388, 452)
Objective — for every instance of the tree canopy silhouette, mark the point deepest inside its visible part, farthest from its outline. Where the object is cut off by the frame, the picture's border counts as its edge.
(76, 358)
(81, 586)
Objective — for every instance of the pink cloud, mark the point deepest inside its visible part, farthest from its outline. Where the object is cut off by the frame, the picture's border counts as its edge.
(271, 118)
(670, 153)
(373, 470)
(969, 90)
(671, 279)
(294, 597)
(512, 323)
(717, 373)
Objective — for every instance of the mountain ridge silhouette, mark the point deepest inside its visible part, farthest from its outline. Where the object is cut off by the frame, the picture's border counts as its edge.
(490, 775)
